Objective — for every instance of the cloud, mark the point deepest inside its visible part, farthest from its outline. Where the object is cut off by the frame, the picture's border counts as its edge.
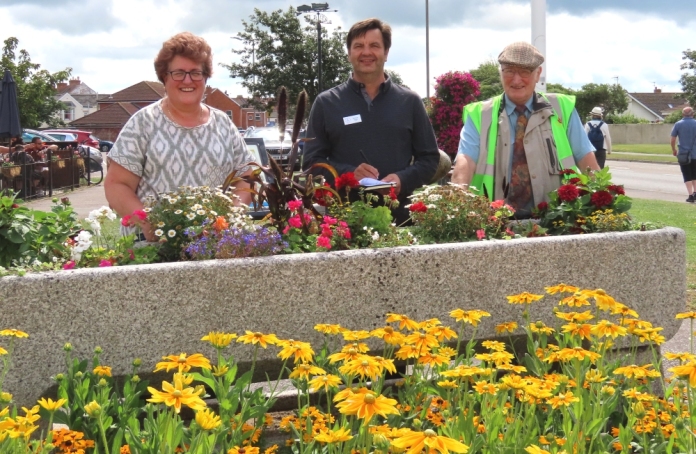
(69, 17)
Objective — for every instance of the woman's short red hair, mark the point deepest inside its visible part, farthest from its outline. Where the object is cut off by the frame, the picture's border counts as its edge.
(187, 45)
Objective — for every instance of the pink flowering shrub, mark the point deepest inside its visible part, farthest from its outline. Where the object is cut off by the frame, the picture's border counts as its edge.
(453, 91)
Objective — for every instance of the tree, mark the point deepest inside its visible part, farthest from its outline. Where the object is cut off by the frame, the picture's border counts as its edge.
(558, 88)
(453, 91)
(611, 98)
(688, 81)
(280, 52)
(395, 77)
(36, 88)
(488, 77)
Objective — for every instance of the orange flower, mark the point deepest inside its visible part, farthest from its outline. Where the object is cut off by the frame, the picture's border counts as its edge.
(364, 405)
(220, 224)
(182, 362)
(429, 441)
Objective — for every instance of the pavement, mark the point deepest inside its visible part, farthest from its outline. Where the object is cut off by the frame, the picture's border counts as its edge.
(86, 199)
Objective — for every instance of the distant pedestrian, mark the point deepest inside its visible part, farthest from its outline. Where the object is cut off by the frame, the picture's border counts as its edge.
(685, 130)
(598, 133)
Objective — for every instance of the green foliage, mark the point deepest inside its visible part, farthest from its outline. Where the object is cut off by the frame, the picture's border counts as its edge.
(611, 98)
(673, 117)
(625, 119)
(488, 77)
(276, 41)
(28, 236)
(558, 88)
(395, 77)
(688, 80)
(35, 87)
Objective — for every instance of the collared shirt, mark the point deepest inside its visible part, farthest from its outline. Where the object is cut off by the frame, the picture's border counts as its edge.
(469, 137)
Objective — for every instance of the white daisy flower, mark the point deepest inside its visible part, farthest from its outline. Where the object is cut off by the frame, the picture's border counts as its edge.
(200, 212)
(190, 216)
(178, 212)
(171, 233)
(159, 232)
(160, 224)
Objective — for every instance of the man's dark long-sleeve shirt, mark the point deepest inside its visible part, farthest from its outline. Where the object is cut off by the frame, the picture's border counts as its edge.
(387, 132)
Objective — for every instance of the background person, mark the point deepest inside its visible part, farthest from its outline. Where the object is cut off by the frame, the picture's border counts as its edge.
(371, 126)
(531, 146)
(600, 140)
(685, 131)
(177, 141)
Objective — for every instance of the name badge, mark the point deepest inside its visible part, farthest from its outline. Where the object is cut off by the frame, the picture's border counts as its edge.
(352, 119)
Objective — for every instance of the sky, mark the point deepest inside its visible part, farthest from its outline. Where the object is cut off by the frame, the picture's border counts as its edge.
(111, 44)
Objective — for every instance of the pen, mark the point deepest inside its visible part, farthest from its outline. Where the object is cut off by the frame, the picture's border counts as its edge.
(362, 153)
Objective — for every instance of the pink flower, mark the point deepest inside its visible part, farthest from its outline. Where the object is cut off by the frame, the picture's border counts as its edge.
(131, 255)
(69, 265)
(324, 242)
(497, 204)
(326, 231)
(140, 214)
(105, 263)
(294, 204)
(329, 220)
(480, 234)
(126, 221)
(286, 230)
(295, 221)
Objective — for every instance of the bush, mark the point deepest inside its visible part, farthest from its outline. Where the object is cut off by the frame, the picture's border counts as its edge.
(453, 91)
(625, 119)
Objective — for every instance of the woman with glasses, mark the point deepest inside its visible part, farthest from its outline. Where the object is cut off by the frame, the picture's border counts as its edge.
(177, 141)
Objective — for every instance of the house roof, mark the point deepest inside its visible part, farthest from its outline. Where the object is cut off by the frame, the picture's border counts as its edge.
(142, 91)
(117, 113)
(660, 104)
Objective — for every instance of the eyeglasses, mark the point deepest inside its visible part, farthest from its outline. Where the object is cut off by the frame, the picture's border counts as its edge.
(509, 73)
(180, 75)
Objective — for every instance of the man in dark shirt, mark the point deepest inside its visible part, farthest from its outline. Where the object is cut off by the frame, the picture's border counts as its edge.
(370, 126)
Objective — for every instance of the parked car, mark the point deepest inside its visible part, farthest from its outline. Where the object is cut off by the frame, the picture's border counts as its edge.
(105, 145)
(28, 134)
(84, 137)
(63, 136)
(271, 139)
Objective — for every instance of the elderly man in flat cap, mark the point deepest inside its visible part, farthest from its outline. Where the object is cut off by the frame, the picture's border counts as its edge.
(515, 145)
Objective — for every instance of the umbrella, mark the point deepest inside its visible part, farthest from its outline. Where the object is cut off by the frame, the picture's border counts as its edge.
(9, 112)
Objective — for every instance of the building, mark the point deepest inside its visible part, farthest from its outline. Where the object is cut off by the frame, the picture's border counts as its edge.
(655, 106)
(79, 99)
(116, 109)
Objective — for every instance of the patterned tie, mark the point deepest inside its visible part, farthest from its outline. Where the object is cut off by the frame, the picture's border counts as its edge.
(520, 194)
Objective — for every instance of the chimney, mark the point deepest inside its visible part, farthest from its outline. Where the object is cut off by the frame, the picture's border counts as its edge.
(74, 81)
(657, 90)
(62, 85)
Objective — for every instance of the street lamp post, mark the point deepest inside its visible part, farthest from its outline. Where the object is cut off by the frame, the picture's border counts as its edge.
(427, 51)
(317, 8)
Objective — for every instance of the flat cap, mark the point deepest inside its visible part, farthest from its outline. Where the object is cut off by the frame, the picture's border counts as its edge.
(521, 54)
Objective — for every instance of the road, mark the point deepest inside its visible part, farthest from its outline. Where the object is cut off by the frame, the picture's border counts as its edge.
(645, 180)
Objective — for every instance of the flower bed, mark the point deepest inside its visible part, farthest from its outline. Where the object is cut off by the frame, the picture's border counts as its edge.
(561, 394)
(136, 310)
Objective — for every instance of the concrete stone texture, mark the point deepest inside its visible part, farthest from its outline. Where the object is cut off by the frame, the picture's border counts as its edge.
(150, 311)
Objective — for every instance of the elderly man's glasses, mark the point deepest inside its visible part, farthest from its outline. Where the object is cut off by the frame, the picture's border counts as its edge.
(179, 75)
(509, 73)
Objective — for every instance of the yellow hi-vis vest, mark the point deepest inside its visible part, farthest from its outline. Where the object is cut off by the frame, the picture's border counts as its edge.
(481, 113)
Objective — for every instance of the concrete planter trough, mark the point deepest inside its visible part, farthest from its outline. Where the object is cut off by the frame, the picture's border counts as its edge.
(155, 310)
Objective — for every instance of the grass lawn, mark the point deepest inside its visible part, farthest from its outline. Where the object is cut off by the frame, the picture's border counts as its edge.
(673, 214)
(642, 158)
(663, 148)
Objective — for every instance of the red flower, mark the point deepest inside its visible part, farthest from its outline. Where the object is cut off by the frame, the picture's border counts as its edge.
(392, 193)
(543, 206)
(568, 192)
(575, 180)
(498, 204)
(126, 221)
(140, 214)
(69, 265)
(105, 263)
(324, 242)
(616, 189)
(601, 198)
(15, 206)
(321, 196)
(418, 207)
(568, 172)
(347, 179)
(480, 234)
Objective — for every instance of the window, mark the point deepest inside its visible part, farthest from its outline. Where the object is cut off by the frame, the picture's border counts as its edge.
(229, 113)
(258, 116)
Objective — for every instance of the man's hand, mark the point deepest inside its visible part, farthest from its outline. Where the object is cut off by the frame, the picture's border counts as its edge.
(365, 171)
(393, 178)
(674, 152)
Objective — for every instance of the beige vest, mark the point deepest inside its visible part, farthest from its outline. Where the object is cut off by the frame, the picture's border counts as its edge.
(540, 148)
